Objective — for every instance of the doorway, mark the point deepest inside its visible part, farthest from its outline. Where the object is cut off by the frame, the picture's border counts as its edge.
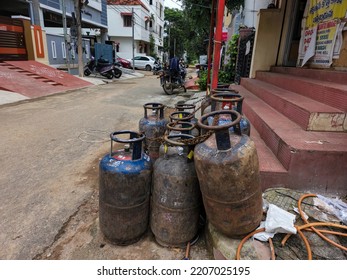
(294, 32)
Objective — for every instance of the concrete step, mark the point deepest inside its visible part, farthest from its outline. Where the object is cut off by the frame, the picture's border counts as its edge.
(315, 161)
(272, 172)
(306, 112)
(329, 93)
(339, 77)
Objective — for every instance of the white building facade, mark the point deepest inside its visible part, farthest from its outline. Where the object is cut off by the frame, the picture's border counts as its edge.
(148, 19)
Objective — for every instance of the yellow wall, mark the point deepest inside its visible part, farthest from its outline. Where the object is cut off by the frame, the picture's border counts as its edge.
(267, 40)
(28, 39)
(44, 39)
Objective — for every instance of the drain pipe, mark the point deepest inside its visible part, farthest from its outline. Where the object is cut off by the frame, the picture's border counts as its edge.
(217, 43)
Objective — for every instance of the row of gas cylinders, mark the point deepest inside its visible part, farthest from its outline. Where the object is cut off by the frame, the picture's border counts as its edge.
(165, 180)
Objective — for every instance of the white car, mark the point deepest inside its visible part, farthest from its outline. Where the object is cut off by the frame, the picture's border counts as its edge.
(143, 62)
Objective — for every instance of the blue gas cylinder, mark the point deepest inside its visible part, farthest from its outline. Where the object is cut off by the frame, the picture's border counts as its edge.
(229, 100)
(153, 126)
(124, 189)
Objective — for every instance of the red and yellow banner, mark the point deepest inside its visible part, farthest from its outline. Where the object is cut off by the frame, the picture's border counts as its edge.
(325, 10)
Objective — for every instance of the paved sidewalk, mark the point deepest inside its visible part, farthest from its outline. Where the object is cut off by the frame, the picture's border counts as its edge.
(7, 97)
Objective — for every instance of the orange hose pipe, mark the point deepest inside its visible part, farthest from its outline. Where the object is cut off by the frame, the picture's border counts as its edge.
(317, 224)
(272, 249)
(307, 245)
(238, 251)
(329, 232)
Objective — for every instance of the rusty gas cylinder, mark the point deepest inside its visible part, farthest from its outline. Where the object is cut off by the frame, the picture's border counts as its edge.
(206, 103)
(230, 100)
(176, 197)
(185, 116)
(125, 178)
(175, 128)
(153, 126)
(187, 108)
(228, 171)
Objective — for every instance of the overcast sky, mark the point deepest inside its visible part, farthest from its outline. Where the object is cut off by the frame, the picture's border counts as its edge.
(172, 4)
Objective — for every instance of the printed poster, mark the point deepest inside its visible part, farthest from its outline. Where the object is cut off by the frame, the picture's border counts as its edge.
(325, 42)
(308, 45)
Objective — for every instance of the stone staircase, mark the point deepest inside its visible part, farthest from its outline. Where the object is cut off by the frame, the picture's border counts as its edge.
(299, 124)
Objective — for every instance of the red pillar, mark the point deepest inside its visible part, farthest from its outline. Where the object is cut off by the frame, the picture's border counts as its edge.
(209, 55)
(217, 42)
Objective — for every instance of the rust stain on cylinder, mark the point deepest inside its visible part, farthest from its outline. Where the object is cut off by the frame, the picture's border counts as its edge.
(230, 184)
(176, 201)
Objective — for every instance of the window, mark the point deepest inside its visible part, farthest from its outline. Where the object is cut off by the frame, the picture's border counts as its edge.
(160, 10)
(87, 49)
(160, 30)
(54, 49)
(63, 49)
(150, 2)
(127, 20)
(73, 50)
(151, 24)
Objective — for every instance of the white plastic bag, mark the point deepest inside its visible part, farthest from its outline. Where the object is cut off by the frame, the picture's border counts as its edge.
(277, 221)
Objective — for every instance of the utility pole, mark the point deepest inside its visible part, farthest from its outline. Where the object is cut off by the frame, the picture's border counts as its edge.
(210, 47)
(65, 36)
(36, 12)
(217, 42)
(78, 4)
(169, 40)
(174, 47)
(133, 35)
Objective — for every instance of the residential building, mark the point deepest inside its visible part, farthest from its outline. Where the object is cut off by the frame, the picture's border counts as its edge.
(148, 19)
(46, 18)
(295, 94)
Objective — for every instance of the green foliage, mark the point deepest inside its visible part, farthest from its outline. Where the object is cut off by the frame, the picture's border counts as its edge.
(151, 46)
(188, 29)
(202, 81)
(233, 4)
(231, 54)
(223, 77)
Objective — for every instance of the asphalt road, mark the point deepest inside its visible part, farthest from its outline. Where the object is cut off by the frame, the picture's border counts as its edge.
(50, 149)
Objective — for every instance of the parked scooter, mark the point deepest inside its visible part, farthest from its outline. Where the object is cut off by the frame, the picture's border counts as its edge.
(103, 67)
(157, 68)
(117, 72)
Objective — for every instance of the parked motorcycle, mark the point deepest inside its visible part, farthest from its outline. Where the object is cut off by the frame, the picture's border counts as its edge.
(172, 81)
(157, 68)
(117, 72)
(103, 67)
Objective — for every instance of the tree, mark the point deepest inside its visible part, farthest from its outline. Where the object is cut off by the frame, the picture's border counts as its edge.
(152, 46)
(77, 5)
(199, 13)
(174, 28)
(188, 29)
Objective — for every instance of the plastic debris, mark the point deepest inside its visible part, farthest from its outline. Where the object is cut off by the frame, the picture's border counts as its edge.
(335, 206)
(277, 221)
